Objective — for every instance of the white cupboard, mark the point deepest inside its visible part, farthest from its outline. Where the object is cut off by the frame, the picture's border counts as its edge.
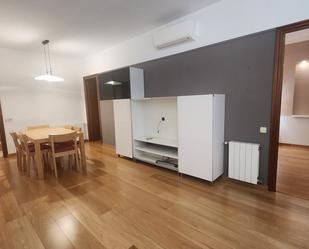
(201, 135)
(123, 127)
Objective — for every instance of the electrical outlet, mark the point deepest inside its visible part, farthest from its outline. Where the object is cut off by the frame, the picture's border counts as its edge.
(263, 130)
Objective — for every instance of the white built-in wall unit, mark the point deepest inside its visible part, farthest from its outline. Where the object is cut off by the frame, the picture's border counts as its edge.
(184, 134)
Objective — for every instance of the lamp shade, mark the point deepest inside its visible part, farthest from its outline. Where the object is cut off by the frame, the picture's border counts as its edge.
(49, 78)
(49, 72)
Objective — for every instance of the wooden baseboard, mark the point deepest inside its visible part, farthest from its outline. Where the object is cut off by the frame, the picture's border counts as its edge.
(295, 145)
(262, 186)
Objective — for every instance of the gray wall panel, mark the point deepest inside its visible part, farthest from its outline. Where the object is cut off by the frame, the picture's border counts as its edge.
(241, 68)
(107, 121)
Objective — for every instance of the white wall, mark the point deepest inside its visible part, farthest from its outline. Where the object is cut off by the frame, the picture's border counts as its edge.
(148, 114)
(292, 130)
(26, 101)
(219, 22)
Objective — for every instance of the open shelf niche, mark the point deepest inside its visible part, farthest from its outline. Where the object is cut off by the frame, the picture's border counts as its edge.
(154, 124)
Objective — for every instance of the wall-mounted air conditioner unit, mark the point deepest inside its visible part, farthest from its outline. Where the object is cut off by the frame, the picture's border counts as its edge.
(175, 34)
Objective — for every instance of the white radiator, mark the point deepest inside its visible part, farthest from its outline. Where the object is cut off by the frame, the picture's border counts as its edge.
(244, 161)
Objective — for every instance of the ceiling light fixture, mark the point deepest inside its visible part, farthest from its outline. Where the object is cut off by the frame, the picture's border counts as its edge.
(113, 83)
(49, 72)
(304, 64)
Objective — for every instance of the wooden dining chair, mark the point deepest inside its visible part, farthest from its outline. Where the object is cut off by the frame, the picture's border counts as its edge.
(37, 127)
(18, 149)
(78, 130)
(61, 146)
(28, 153)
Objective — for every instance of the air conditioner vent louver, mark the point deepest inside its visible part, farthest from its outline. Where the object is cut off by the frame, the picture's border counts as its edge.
(175, 34)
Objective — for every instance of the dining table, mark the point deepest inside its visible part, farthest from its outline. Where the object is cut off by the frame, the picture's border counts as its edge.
(41, 135)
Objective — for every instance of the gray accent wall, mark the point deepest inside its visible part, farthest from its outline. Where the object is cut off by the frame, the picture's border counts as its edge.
(107, 121)
(241, 68)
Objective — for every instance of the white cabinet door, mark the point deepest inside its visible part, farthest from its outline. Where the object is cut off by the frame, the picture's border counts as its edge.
(195, 135)
(123, 127)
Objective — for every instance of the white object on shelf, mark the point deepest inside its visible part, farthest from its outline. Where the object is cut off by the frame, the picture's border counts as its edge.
(201, 135)
(244, 161)
(148, 158)
(123, 127)
(158, 150)
(159, 140)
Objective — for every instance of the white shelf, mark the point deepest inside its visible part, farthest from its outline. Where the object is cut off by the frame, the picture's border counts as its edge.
(159, 141)
(160, 151)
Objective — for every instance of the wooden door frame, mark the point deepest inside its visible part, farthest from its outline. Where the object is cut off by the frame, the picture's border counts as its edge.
(276, 98)
(2, 135)
(96, 76)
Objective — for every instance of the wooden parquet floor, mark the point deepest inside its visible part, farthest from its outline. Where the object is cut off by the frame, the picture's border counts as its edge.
(293, 171)
(123, 204)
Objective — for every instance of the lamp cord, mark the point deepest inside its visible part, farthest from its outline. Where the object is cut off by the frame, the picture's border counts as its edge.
(45, 60)
(158, 126)
(50, 67)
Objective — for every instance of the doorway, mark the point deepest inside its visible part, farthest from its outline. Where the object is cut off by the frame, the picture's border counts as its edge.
(289, 149)
(92, 108)
(3, 145)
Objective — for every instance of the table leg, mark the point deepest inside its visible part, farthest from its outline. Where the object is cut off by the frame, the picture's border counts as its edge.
(82, 152)
(38, 160)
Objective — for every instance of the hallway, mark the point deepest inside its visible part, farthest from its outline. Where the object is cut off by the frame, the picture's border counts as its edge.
(293, 171)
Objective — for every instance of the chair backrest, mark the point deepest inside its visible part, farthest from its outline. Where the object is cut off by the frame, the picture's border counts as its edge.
(67, 126)
(65, 138)
(37, 127)
(76, 128)
(23, 142)
(16, 140)
(72, 127)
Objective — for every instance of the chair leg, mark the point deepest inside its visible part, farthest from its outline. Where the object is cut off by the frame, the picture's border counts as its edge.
(63, 162)
(34, 166)
(70, 162)
(44, 158)
(51, 164)
(55, 166)
(28, 165)
(24, 163)
(18, 158)
(77, 162)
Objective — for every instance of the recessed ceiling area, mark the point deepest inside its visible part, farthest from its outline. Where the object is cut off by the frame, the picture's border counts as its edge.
(298, 36)
(79, 27)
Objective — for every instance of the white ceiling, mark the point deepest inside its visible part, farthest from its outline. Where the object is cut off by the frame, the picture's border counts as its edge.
(297, 36)
(80, 27)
